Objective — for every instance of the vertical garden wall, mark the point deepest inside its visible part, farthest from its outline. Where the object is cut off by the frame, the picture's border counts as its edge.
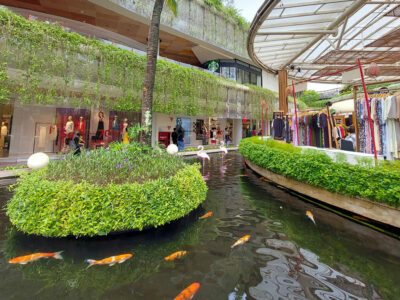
(43, 64)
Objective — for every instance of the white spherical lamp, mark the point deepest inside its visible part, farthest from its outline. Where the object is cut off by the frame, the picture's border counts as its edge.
(172, 149)
(38, 160)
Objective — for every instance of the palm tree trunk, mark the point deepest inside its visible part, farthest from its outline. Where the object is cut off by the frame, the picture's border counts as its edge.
(152, 51)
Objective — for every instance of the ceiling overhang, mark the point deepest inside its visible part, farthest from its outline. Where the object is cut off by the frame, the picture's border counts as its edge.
(313, 34)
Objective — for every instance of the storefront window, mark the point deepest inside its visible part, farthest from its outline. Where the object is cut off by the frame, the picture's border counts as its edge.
(253, 79)
(6, 111)
(68, 122)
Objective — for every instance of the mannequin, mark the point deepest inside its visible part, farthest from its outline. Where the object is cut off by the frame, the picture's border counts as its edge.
(100, 127)
(115, 128)
(3, 133)
(81, 126)
(124, 131)
(69, 126)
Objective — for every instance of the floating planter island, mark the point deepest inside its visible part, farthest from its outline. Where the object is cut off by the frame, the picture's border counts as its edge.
(106, 191)
(372, 192)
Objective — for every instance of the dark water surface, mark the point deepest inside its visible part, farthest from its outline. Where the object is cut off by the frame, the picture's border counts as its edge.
(287, 257)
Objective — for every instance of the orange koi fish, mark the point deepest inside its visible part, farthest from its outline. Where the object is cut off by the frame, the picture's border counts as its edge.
(175, 255)
(118, 259)
(206, 215)
(241, 241)
(189, 292)
(265, 179)
(360, 218)
(310, 215)
(23, 260)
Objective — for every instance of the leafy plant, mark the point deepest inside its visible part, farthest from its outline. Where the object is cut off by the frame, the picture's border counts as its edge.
(379, 184)
(118, 165)
(52, 204)
(229, 11)
(52, 61)
(8, 168)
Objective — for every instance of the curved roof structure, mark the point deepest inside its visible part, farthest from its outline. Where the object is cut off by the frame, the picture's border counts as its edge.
(314, 37)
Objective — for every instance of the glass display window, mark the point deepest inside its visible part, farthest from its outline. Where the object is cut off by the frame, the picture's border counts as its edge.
(68, 122)
(6, 113)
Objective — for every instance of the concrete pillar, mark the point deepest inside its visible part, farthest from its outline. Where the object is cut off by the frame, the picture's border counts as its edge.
(237, 131)
(154, 132)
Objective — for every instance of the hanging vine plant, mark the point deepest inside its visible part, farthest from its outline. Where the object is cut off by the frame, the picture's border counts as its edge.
(43, 64)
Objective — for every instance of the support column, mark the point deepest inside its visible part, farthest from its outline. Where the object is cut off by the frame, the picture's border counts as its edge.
(283, 84)
(237, 131)
(154, 132)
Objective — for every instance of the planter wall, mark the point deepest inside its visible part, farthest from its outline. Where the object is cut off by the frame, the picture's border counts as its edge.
(375, 211)
(63, 208)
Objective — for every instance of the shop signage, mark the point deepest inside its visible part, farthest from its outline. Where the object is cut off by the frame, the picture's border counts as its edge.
(213, 66)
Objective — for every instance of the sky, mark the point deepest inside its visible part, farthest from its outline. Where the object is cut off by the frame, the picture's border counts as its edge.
(248, 9)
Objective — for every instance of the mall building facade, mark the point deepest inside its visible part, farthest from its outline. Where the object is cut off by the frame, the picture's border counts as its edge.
(199, 39)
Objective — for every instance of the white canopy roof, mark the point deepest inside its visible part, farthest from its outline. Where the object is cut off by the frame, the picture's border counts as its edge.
(320, 37)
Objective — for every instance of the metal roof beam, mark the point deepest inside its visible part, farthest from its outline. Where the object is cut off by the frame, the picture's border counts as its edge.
(311, 3)
(291, 38)
(287, 24)
(328, 12)
(351, 10)
(274, 48)
(312, 32)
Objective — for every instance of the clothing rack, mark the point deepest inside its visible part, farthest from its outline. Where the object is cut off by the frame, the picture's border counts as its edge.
(368, 93)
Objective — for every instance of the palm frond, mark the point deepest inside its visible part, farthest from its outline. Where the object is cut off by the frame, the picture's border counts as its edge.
(173, 6)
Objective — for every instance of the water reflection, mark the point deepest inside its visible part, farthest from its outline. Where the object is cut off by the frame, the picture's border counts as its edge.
(287, 256)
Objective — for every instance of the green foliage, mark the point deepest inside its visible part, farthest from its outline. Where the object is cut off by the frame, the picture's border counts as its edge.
(119, 165)
(301, 105)
(135, 130)
(309, 97)
(53, 62)
(173, 6)
(318, 169)
(340, 158)
(274, 144)
(8, 168)
(62, 208)
(229, 11)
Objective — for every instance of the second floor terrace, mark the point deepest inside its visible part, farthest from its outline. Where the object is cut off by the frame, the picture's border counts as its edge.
(199, 32)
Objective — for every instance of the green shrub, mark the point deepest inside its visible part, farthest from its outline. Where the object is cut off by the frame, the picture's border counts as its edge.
(274, 144)
(379, 184)
(60, 205)
(120, 164)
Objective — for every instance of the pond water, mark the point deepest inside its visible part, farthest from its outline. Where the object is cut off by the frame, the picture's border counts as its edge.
(287, 257)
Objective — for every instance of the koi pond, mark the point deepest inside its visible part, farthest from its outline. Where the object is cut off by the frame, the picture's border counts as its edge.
(287, 256)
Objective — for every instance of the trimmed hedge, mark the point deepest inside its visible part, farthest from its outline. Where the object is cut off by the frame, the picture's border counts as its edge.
(379, 184)
(63, 208)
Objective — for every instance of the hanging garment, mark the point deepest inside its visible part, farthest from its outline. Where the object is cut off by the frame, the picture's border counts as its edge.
(294, 131)
(278, 125)
(323, 124)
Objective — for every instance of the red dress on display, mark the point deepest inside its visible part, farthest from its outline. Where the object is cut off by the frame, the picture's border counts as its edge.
(81, 127)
